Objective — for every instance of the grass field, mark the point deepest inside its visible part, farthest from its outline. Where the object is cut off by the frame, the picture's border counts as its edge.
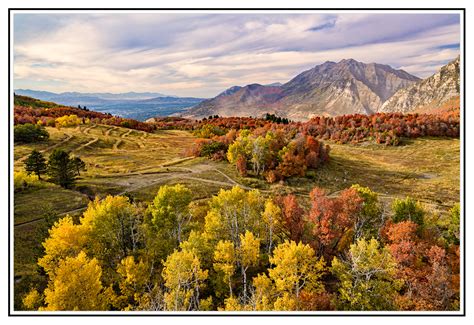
(120, 160)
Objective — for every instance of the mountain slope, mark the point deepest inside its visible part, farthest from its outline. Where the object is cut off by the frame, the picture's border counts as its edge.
(331, 88)
(427, 94)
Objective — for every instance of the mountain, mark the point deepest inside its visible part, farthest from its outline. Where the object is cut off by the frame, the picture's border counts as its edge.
(330, 88)
(428, 94)
(139, 106)
(238, 101)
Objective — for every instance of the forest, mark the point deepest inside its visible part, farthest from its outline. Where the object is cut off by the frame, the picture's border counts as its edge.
(245, 251)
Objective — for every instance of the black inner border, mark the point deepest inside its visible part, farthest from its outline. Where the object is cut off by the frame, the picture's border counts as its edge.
(256, 314)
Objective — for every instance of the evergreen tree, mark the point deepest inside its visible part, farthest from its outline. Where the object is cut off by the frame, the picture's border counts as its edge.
(35, 163)
(78, 164)
(61, 169)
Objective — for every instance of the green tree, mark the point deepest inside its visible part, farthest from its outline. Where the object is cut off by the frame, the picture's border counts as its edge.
(29, 133)
(232, 212)
(370, 219)
(36, 163)
(367, 279)
(408, 210)
(170, 210)
(61, 169)
(113, 224)
(78, 164)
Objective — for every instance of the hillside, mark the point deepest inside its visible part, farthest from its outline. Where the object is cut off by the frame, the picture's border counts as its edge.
(331, 89)
(428, 94)
(139, 106)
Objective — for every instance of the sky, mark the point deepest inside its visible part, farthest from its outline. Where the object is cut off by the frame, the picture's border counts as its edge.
(202, 54)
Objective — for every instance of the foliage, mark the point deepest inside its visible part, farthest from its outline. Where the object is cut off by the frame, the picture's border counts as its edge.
(68, 121)
(367, 277)
(62, 169)
(183, 278)
(407, 209)
(76, 286)
(28, 133)
(113, 223)
(36, 163)
(370, 218)
(23, 181)
(170, 210)
(296, 269)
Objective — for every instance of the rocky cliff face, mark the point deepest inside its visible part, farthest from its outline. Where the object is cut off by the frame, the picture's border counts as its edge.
(346, 87)
(427, 94)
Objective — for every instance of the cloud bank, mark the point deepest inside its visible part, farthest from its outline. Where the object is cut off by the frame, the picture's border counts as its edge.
(201, 54)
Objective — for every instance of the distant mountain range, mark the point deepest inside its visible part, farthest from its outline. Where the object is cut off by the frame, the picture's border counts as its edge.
(140, 106)
(332, 89)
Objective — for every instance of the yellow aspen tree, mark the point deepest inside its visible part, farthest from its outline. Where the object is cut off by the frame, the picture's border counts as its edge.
(77, 286)
(248, 252)
(65, 240)
(184, 279)
(225, 259)
(296, 268)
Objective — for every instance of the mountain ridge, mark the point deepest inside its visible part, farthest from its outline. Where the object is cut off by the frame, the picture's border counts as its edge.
(430, 92)
(330, 88)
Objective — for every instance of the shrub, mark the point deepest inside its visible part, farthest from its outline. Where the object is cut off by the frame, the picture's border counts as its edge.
(407, 210)
(23, 181)
(68, 121)
(30, 133)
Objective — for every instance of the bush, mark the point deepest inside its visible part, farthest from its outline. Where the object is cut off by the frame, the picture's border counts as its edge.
(29, 133)
(407, 210)
(208, 149)
(68, 121)
(23, 181)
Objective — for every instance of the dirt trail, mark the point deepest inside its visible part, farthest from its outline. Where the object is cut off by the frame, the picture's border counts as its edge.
(107, 133)
(117, 144)
(87, 130)
(68, 138)
(86, 144)
(126, 134)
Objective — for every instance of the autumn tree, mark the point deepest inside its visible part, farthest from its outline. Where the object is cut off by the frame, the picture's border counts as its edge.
(225, 260)
(65, 240)
(333, 219)
(184, 279)
(293, 217)
(370, 218)
(248, 254)
(170, 210)
(272, 218)
(295, 269)
(36, 163)
(366, 277)
(113, 225)
(77, 286)
(232, 212)
(135, 276)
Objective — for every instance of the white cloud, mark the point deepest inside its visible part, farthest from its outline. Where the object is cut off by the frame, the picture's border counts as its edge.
(201, 55)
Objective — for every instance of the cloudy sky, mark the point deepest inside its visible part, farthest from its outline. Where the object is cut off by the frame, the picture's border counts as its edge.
(201, 54)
